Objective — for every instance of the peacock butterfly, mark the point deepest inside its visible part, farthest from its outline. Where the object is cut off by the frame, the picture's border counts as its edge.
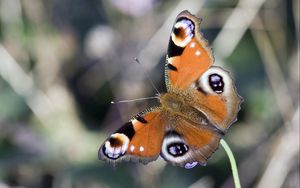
(199, 106)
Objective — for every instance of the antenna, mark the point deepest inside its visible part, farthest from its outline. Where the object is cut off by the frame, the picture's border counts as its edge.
(150, 80)
(132, 100)
(136, 60)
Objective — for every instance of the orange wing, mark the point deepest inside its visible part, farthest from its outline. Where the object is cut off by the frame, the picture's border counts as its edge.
(138, 140)
(215, 95)
(187, 144)
(188, 53)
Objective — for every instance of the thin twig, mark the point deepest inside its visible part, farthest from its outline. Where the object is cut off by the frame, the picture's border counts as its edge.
(233, 165)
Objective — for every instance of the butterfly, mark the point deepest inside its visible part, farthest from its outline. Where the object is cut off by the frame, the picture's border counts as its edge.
(199, 106)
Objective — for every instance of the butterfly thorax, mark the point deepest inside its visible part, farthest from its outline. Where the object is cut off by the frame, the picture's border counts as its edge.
(179, 103)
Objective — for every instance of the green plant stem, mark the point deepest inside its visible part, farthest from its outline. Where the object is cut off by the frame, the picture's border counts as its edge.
(234, 168)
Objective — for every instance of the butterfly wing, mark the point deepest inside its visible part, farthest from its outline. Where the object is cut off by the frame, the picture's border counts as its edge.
(193, 137)
(139, 139)
(189, 68)
(215, 95)
(187, 144)
(188, 53)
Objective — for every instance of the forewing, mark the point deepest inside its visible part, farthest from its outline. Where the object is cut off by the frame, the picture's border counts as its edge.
(188, 53)
(138, 140)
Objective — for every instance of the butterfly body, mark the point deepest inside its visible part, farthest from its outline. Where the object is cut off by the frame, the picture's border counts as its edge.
(200, 104)
(180, 104)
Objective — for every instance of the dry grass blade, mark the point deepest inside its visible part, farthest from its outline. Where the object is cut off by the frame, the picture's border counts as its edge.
(284, 156)
(275, 75)
(235, 27)
(23, 84)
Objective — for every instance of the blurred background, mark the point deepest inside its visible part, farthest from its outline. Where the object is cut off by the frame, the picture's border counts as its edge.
(63, 61)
